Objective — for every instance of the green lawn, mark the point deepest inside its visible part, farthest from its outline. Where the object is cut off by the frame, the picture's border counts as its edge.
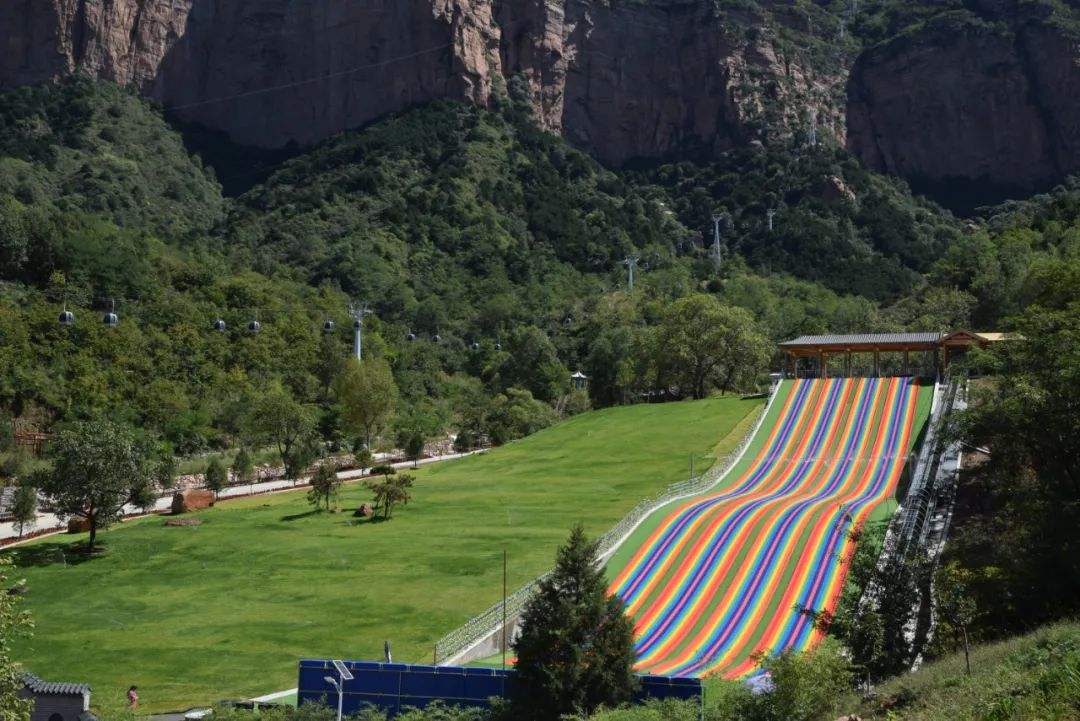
(224, 610)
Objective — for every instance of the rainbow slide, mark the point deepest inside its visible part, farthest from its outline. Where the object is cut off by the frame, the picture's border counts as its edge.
(715, 581)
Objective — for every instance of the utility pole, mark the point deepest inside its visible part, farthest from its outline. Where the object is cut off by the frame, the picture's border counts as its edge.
(631, 262)
(811, 137)
(358, 311)
(769, 216)
(504, 613)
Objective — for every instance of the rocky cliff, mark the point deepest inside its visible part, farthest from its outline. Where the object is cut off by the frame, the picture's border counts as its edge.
(982, 93)
(622, 80)
(971, 100)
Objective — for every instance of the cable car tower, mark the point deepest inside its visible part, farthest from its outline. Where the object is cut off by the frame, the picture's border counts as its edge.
(358, 311)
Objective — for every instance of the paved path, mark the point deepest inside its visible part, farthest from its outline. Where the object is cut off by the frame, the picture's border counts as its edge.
(51, 521)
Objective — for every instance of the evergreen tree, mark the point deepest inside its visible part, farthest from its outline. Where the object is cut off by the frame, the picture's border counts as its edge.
(576, 648)
(24, 507)
(216, 477)
(243, 467)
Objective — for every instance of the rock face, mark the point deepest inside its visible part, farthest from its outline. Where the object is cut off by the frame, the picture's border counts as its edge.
(622, 81)
(983, 100)
(984, 95)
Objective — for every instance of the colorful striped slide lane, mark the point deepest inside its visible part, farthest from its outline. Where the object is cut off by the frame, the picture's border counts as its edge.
(714, 581)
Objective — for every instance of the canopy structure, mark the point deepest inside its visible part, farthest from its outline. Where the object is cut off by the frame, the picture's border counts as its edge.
(940, 347)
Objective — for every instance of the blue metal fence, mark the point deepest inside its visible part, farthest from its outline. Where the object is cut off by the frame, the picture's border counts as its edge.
(394, 686)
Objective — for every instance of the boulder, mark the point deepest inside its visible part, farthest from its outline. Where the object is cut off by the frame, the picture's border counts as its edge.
(192, 500)
(78, 525)
(364, 511)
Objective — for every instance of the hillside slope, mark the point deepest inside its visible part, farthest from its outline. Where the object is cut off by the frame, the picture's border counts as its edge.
(189, 613)
(1035, 677)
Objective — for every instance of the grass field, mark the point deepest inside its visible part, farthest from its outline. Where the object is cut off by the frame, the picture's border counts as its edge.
(224, 610)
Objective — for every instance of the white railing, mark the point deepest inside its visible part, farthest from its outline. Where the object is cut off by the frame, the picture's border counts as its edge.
(454, 644)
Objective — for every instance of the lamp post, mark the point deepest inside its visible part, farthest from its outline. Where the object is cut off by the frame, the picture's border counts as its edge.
(340, 693)
(344, 674)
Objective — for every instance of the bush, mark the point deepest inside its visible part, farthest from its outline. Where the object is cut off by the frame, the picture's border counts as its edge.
(577, 402)
(516, 414)
(464, 442)
(806, 686)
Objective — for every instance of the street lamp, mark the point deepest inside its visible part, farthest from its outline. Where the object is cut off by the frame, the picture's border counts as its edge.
(344, 674)
(340, 693)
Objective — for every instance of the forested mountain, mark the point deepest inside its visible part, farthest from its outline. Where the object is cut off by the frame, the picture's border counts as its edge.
(493, 255)
(451, 221)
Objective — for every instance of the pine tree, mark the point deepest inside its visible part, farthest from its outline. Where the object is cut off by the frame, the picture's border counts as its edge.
(215, 477)
(576, 648)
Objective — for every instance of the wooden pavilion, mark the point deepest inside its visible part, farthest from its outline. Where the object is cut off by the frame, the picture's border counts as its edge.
(934, 350)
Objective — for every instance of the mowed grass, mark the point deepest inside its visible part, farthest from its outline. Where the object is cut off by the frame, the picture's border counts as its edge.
(224, 610)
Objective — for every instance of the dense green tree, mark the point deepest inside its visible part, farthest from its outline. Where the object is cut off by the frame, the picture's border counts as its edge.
(575, 651)
(1019, 506)
(364, 457)
(24, 507)
(515, 414)
(216, 477)
(700, 344)
(414, 446)
(276, 418)
(243, 467)
(96, 468)
(325, 485)
(367, 394)
(390, 490)
(532, 362)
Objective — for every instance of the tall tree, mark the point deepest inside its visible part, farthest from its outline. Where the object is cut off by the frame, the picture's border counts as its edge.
(391, 490)
(215, 477)
(576, 648)
(324, 485)
(277, 418)
(701, 344)
(367, 394)
(96, 468)
(24, 507)
(1019, 504)
(243, 468)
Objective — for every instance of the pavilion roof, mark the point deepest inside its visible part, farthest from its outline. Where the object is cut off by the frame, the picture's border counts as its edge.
(865, 339)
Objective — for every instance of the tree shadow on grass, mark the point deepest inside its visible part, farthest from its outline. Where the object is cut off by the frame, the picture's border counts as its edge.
(366, 520)
(51, 554)
(299, 516)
